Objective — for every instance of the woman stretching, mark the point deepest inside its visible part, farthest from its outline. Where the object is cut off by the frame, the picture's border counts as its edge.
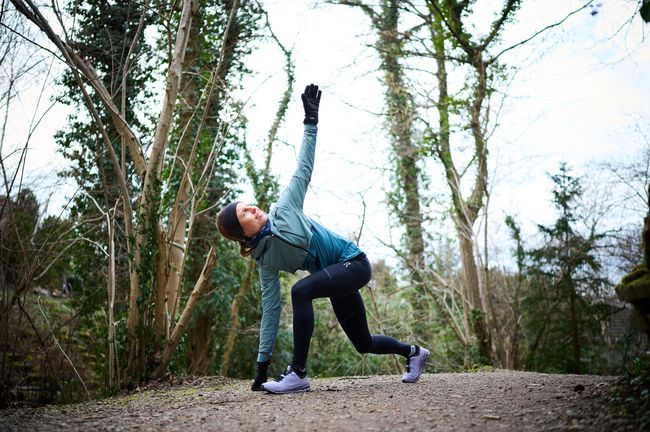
(287, 240)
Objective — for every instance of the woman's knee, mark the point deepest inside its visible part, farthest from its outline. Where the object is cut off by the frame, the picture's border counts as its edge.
(363, 346)
(300, 291)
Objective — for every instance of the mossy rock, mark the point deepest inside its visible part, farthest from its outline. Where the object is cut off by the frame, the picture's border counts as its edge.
(635, 289)
(635, 286)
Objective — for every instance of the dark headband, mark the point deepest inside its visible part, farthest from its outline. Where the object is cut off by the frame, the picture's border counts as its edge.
(230, 221)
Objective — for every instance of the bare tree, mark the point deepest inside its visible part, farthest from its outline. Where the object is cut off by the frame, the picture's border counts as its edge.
(155, 232)
(453, 46)
(451, 119)
(33, 249)
(405, 200)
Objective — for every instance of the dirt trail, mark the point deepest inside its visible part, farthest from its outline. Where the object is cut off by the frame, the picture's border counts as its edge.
(485, 401)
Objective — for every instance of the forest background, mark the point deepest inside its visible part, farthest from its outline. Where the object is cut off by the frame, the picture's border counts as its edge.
(490, 158)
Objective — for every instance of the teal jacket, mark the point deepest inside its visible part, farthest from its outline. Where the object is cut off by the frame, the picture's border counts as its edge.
(289, 246)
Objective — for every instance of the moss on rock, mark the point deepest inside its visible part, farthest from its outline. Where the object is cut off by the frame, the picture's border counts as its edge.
(635, 285)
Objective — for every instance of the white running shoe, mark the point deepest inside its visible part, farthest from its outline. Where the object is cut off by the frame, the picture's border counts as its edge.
(415, 366)
(287, 382)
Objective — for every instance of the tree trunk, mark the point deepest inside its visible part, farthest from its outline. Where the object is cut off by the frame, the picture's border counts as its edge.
(234, 318)
(171, 262)
(400, 117)
(477, 314)
(199, 344)
(112, 381)
(180, 327)
(447, 25)
(193, 120)
(575, 333)
(148, 227)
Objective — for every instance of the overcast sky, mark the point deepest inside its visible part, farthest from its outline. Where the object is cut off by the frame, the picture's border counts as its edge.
(576, 96)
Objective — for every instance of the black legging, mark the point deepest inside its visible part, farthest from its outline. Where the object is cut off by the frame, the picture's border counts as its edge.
(341, 283)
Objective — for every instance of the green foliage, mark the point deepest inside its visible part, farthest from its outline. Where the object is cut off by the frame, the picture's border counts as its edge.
(632, 395)
(36, 264)
(104, 43)
(214, 121)
(104, 33)
(213, 313)
(44, 371)
(562, 305)
(520, 253)
(17, 252)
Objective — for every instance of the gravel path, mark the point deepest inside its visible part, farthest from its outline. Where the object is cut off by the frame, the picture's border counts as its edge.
(484, 401)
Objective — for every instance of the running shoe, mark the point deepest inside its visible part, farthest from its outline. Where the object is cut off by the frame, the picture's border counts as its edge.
(287, 382)
(415, 366)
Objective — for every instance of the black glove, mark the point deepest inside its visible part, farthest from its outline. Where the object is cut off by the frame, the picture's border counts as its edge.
(310, 101)
(260, 375)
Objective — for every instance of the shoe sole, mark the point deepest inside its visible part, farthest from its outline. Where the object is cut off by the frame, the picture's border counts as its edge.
(296, 390)
(424, 363)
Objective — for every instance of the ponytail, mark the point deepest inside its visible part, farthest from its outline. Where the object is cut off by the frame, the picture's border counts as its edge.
(244, 249)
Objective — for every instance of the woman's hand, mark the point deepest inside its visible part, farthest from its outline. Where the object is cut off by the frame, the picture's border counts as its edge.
(310, 102)
(260, 375)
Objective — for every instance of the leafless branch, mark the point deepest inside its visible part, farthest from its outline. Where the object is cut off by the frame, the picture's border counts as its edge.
(539, 32)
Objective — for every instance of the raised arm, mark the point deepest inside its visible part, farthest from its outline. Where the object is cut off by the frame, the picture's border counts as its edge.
(294, 194)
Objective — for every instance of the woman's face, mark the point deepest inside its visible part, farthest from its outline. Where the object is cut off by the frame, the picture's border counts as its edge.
(251, 218)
